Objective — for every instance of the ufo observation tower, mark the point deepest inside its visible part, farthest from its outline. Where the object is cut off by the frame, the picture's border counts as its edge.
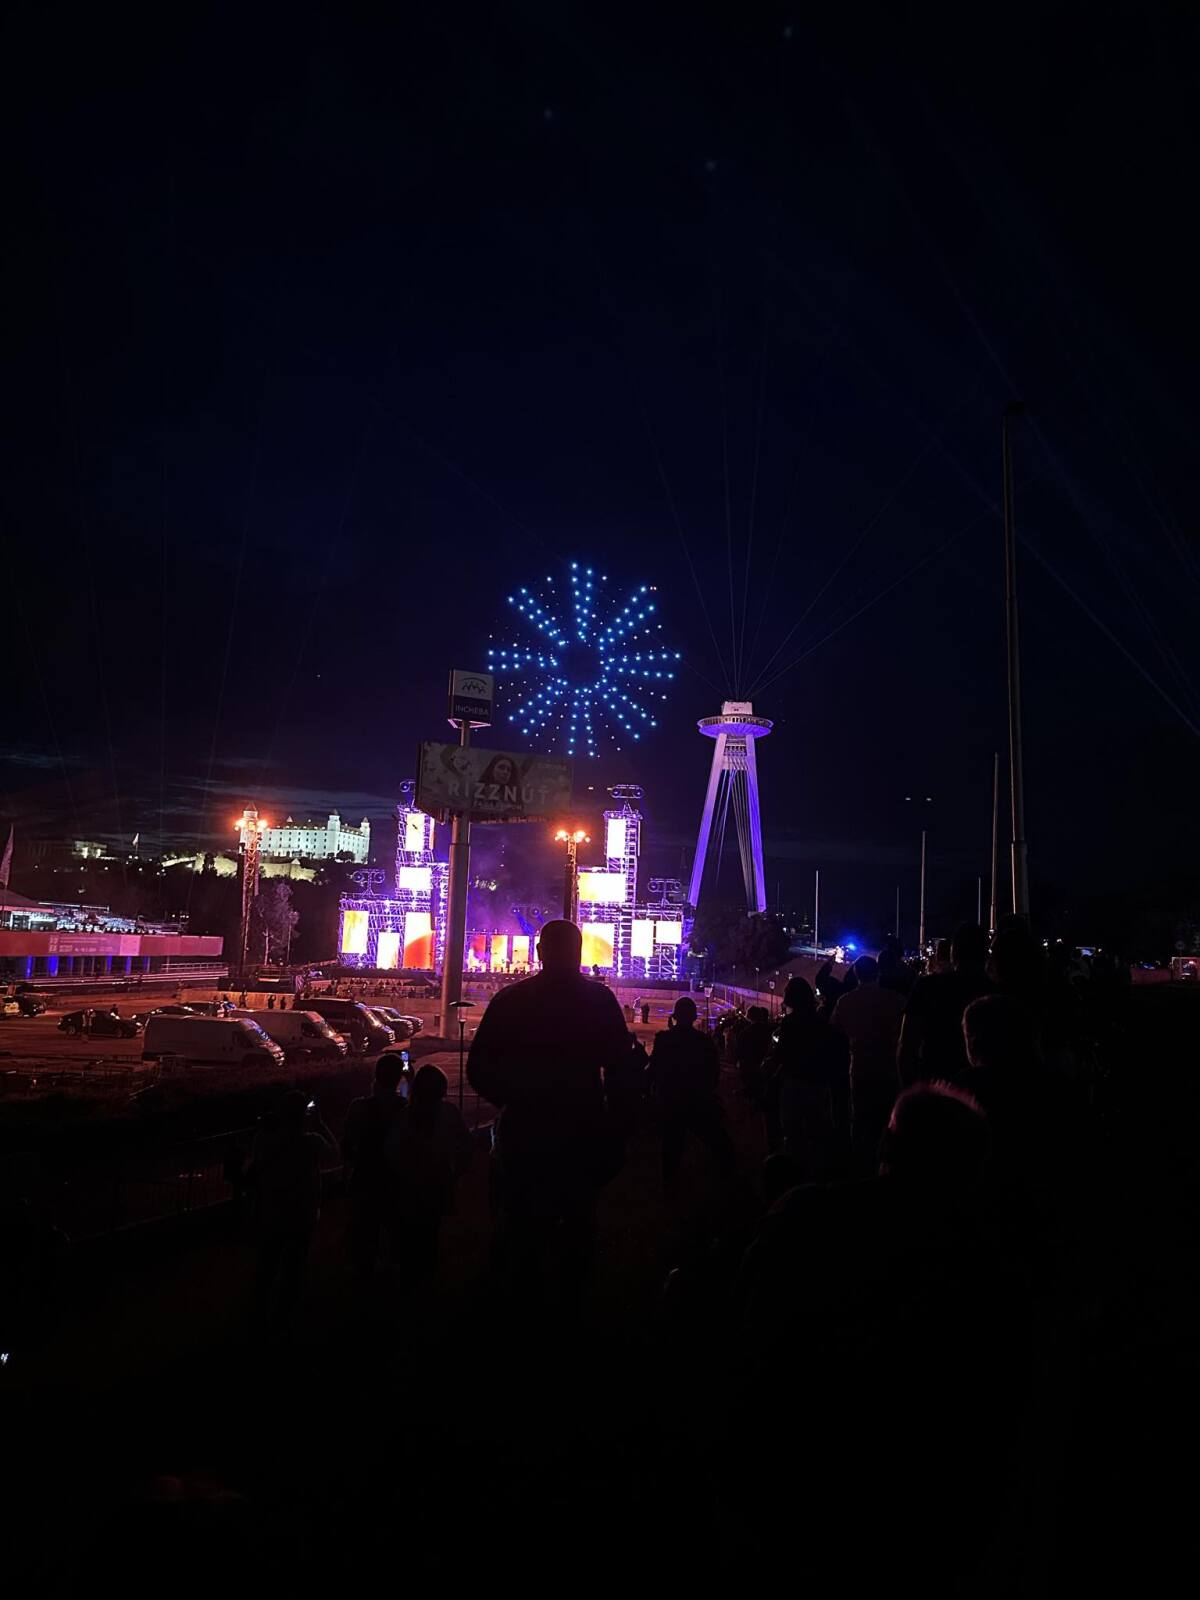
(733, 785)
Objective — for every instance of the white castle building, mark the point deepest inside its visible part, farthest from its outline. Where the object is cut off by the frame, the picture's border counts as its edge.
(317, 841)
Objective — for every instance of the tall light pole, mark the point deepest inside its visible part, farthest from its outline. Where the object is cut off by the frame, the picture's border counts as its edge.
(1016, 772)
(456, 907)
(816, 910)
(470, 707)
(995, 838)
(250, 827)
(572, 838)
(926, 800)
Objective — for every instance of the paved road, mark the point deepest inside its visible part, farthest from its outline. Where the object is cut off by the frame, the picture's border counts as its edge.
(38, 1038)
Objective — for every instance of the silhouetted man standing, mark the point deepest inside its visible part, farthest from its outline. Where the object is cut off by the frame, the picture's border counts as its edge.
(539, 1054)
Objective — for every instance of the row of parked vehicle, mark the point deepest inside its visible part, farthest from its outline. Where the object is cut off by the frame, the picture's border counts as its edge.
(217, 1034)
(325, 1030)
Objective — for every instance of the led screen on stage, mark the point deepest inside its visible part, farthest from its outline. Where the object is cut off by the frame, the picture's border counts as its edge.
(477, 946)
(521, 954)
(668, 932)
(499, 950)
(598, 944)
(418, 939)
(414, 831)
(641, 941)
(418, 878)
(602, 888)
(614, 837)
(354, 933)
(387, 952)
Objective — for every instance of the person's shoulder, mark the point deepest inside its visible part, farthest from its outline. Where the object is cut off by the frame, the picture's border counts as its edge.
(926, 988)
(600, 997)
(516, 994)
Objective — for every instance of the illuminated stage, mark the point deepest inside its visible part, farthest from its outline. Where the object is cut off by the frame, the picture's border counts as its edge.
(407, 928)
(624, 936)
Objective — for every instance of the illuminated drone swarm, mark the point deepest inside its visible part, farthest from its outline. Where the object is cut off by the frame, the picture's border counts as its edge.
(593, 667)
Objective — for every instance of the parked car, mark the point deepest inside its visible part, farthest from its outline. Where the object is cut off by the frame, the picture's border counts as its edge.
(165, 1011)
(99, 1025)
(211, 1042)
(400, 1025)
(21, 1005)
(354, 1020)
(303, 1035)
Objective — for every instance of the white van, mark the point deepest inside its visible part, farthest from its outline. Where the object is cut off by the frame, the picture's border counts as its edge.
(210, 1041)
(303, 1034)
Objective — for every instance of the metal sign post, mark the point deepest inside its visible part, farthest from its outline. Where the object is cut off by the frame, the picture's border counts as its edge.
(470, 707)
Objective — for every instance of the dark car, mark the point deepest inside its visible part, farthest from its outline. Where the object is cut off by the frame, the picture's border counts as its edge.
(355, 1020)
(99, 1025)
(21, 1005)
(400, 1025)
(165, 1011)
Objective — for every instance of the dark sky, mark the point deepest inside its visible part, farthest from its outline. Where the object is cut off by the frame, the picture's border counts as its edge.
(324, 331)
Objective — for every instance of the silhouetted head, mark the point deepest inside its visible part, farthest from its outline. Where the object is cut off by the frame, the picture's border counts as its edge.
(684, 1012)
(866, 969)
(937, 1138)
(890, 962)
(1016, 958)
(759, 1014)
(429, 1085)
(799, 997)
(998, 1032)
(969, 947)
(389, 1069)
(560, 946)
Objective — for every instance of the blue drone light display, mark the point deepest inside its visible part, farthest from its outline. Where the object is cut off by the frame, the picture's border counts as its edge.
(594, 667)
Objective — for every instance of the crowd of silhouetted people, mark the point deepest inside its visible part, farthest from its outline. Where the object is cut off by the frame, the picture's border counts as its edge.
(877, 1287)
(894, 1164)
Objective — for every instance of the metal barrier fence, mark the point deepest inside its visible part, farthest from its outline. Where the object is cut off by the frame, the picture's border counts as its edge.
(200, 1175)
(146, 1188)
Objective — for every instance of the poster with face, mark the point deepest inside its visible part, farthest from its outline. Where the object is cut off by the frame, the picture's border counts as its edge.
(492, 785)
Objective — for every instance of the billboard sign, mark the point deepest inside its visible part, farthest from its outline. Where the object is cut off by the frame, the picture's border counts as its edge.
(471, 698)
(491, 785)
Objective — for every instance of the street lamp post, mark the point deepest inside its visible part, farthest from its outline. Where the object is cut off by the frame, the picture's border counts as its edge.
(459, 1007)
(250, 827)
(1016, 772)
(928, 800)
(572, 838)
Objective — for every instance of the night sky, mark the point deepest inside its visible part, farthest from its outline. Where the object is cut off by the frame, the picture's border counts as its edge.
(324, 332)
